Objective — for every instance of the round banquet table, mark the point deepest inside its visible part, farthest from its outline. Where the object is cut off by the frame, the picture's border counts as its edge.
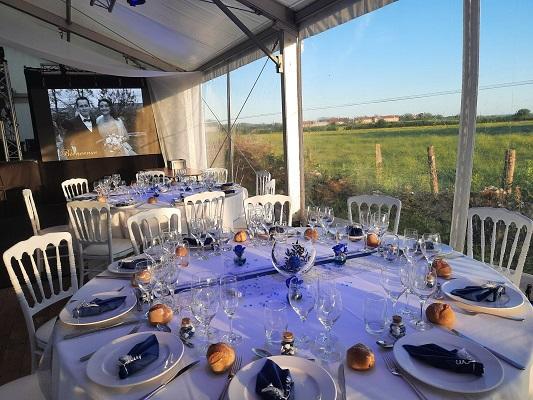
(66, 377)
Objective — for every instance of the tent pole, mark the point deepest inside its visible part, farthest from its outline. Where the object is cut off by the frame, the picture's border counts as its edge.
(229, 130)
(467, 123)
(291, 100)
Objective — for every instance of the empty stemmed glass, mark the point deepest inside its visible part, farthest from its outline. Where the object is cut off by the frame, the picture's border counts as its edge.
(302, 296)
(143, 278)
(204, 305)
(326, 218)
(423, 284)
(230, 298)
(213, 228)
(391, 281)
(430, 246)
(198, 230)
(312, 216)
(268, 216)
(328, 311)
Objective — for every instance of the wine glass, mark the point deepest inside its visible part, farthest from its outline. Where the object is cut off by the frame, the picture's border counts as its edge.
(391, 281)
(430, 246)
(423, 284)
(143, 278)
(213, 227)
(389, 247)
(204, 305)
(328, 311)
(268, 216)
(405, 275)
(229, 298)
(312, 216)
(153, 247)
(302, 296)
(198, 231)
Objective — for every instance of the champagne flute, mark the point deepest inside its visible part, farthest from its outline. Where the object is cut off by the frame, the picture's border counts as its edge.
(423, 284)
(204, 305)
(328, 310)
(229, 298)
(302, 295)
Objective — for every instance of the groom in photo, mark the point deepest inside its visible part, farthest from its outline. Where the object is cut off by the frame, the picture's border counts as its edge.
(81, 133)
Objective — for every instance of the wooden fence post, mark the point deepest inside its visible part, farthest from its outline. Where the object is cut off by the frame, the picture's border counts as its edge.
(508, 171)
(433, 170)
(379, 162)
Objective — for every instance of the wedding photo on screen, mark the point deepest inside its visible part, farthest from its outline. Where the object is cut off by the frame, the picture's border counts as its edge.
(96, 123)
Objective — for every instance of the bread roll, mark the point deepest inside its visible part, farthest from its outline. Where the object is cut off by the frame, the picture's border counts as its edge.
(220, 357)
(360, 357)
(102, 199)
(181, 251)
(143, 276)
(311, 234)
(240, 237)
(152, 200)
(372, 240)
(441, 314)
(160, 314)
(444, 270)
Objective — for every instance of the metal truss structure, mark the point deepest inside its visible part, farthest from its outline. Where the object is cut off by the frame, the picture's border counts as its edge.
(107, 4)
(9, 128)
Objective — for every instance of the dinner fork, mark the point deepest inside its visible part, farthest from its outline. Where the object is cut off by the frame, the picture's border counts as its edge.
(394, 370)
(233, 370)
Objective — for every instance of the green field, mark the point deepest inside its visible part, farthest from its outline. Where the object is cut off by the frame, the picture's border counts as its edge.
(342, 163)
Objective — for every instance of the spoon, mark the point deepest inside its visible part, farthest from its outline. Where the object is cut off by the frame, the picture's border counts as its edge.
(384, 344)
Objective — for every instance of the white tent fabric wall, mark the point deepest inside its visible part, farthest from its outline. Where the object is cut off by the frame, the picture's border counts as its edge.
(177, 105)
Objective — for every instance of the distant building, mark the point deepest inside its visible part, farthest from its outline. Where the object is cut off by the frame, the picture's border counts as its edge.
(376, 118)
(311, 124)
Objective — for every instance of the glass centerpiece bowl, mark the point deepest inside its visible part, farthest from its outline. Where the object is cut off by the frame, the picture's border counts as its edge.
(293, 257)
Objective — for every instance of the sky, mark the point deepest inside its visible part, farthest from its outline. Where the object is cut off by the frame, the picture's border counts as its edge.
(408, 48)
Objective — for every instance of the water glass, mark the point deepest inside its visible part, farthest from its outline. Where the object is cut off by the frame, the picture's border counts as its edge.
(328, 310)
(302, 296)
(229, 298)
(375, 314)
(275, 320)
(423, 284)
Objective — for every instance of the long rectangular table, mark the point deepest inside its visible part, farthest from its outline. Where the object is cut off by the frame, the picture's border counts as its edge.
(67, 378)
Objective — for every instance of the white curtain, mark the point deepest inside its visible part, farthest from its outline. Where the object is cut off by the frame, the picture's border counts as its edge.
(177, 105)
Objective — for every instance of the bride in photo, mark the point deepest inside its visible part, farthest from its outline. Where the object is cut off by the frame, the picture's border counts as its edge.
(113, 132)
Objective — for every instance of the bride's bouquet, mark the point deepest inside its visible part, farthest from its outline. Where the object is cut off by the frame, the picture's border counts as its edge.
(114, 142)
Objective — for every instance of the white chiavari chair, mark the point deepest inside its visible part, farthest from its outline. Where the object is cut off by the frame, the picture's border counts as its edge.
(280, 202)
(270, 187)
(26, 387)
(220, 174)
(261, 179)
(151, 223)
(507, 227)
(34, 216)
(38, 290)
(204, 205)
(91, 221)
(384, 204)
(74, 187)
(153, 175)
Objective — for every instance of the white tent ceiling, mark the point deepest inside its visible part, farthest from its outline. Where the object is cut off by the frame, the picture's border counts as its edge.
(189, 35)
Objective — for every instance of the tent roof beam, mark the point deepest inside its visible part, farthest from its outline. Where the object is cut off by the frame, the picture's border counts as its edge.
(283, 16)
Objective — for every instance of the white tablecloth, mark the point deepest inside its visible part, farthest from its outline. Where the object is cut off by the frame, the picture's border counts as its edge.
(357, 277)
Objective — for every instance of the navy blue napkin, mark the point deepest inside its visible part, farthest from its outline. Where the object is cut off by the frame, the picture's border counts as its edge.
(132, 263)
(439, 357)
(193, 242)
(489, 293)
(140, 356)
(274, 383)
(229, 191)
(98, 306)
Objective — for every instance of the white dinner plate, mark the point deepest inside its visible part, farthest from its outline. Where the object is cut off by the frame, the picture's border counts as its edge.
(510, 300)
(448, 380)
(311, 381)
(115, 268)
(102, 366)
(66, 313)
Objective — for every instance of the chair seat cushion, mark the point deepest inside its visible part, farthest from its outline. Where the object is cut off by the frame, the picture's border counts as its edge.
(57, 228)
(23, 388)
(120, 247)
(43, 333)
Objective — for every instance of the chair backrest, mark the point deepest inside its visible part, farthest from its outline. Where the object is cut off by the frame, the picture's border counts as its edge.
(380, 202)
(270, 187)
(37, 289)
(280, 202)
(74, 187)
(205, 204)
(152, 222)
(91, 221)
(220, 174)
(160, 175)
(32, 210)
(501, 220)
(261, 179)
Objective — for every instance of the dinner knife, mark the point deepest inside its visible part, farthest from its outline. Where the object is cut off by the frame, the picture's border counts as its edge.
(342, 381)
(160, 387)
(99, 329)
(497, 354)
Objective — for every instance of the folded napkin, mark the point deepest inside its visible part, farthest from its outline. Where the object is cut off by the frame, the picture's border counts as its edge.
(274, 383)
(455, 360)
(131, 263)
(140, 356)
(229, 191)
(98, 306)
(488, 292)
(193, 241)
